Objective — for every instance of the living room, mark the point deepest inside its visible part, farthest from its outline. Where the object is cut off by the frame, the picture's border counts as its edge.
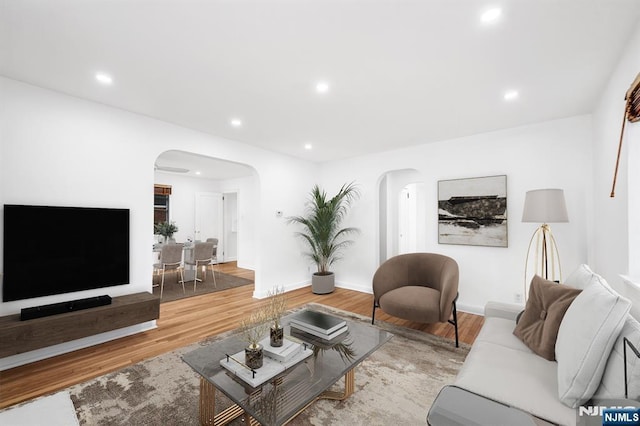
(57, 148)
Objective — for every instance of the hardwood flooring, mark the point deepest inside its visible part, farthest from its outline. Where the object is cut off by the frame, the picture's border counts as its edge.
(187, 321)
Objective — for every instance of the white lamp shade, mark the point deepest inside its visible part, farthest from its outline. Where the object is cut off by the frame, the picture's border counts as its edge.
(545, 206)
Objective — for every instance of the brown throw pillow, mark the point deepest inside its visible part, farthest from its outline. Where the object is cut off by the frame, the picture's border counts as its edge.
(539, 324)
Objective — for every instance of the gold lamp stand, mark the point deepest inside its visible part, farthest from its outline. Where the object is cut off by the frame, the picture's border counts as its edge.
(544, 206)
(547, 257)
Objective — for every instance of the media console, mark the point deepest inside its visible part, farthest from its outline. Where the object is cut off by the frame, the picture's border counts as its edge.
(23, 336)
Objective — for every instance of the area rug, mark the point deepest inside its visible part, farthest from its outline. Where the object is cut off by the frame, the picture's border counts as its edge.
(395, 385)
(173, 289)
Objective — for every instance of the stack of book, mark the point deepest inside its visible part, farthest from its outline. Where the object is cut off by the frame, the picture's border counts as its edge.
(284, 353)
(275, 361)
(318, 324)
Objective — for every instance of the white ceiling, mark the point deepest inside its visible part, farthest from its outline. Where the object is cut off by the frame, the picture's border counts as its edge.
(401, 72)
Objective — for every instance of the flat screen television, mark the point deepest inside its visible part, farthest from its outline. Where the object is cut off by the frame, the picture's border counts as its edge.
(53, 250)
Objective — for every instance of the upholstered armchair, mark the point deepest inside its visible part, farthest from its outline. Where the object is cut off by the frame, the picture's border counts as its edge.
(420, 287)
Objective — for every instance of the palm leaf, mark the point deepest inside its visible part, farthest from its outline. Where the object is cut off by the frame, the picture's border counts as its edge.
(321, 224)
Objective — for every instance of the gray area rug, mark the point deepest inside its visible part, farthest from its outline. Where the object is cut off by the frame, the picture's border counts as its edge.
(173, 289)
(395, 385)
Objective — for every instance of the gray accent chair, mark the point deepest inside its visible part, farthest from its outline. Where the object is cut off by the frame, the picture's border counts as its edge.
(170, 260)
(420, 287)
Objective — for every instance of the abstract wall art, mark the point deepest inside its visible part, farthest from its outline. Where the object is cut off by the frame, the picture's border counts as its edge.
(473, 211)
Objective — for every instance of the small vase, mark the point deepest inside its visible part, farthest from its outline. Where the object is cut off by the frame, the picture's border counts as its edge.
(277, 335)
(253, 356)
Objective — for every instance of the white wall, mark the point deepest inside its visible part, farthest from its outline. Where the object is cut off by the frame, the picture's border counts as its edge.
(60, 150)
(612, 251)
(551, 154)
(247, 191)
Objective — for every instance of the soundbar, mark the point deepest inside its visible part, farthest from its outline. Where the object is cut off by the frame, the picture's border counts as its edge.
(62, 307)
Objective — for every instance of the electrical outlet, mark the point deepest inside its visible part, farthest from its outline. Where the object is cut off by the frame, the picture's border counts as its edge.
(517, 297)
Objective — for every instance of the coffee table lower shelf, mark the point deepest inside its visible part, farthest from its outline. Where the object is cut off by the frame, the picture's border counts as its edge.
(208, 416)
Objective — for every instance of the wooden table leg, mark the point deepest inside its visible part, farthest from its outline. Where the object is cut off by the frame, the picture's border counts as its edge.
(207, 402)
(208, 416)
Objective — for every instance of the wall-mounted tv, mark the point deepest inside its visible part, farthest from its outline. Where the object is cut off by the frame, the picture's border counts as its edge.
(52, 250)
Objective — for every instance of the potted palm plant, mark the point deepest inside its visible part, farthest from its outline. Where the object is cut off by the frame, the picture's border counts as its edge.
(323, 234)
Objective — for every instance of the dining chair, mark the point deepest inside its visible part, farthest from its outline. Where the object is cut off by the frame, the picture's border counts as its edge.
(214, 257)
(170, 260)
(202, 253)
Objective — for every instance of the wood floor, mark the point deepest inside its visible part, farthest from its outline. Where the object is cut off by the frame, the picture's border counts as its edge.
(187, 321)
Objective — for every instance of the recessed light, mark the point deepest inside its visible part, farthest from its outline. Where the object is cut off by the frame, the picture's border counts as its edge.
(308, 146)
(511, 95)
(104, 78)
(491, 15)
(198, 172)
(322, 87)
(236, 122)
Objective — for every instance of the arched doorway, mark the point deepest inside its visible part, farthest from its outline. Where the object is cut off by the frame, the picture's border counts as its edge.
(209, 198)
(402, 213)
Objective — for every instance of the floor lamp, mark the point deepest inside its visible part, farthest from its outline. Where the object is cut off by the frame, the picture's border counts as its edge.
(544, 206)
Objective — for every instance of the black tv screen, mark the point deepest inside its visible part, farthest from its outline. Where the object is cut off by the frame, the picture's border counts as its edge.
(52, 250)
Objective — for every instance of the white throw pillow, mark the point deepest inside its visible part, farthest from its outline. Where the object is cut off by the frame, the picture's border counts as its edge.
(583, 276)
(612, 383)
(586, 335)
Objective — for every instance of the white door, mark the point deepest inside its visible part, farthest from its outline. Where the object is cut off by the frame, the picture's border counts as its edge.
(230, 226)
(209, 219)
(407, 220)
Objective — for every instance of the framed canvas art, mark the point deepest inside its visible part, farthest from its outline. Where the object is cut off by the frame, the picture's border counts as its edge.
(473, 211)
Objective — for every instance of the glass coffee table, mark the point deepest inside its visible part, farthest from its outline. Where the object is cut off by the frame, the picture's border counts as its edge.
(281, 398)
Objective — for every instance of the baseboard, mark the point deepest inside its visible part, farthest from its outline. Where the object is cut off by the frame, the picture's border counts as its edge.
(349, 286)
(471, 309)
(307, 283)
(288, 287)
(51, 351)
(242, 265)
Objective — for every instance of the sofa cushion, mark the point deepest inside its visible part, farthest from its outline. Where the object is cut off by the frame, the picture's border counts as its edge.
(518, 378)
(546, 305)
(499, 331)
(586, 335)
(415, 303)
(502, 310)
(612, 383)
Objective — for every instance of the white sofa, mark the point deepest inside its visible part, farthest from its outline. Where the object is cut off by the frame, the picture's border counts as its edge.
(501, 367)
